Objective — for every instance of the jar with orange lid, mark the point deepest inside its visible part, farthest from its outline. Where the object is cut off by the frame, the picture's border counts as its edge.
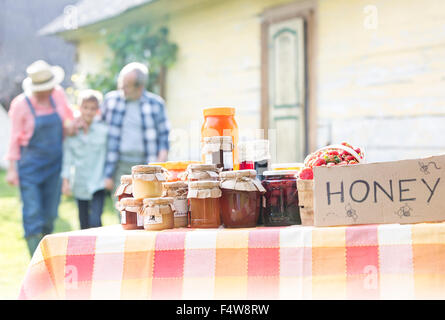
(178, 191)
(241, 198)
(220, 121)
(158, 213)
(175, 169)
(125, 189)
(196, 172)
(147, 181)
(129, 210)
(205, 206)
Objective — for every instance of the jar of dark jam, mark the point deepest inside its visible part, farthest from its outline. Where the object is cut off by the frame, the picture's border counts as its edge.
(280, 202)
(241, 198)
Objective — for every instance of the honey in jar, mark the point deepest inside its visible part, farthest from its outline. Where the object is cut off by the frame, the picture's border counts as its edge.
(129, 209)
(158, 213)
(205, 207)
(178, 191)
(147, 181)
(241, 198)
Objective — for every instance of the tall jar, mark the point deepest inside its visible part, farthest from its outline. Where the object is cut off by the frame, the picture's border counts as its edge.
(218, 150)
(196, 172)
(147, 181)
(205, 206)
(280, 205)
(129, 209)
(125, 189)
(158, 213)
(178, 191)
(241, 198)
(220, 121)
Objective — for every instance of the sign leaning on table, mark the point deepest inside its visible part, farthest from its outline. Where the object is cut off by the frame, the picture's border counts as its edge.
(406, 191)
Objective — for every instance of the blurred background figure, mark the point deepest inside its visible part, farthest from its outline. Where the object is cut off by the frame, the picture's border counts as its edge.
(83, 162)
(138, 125)
(39, 116)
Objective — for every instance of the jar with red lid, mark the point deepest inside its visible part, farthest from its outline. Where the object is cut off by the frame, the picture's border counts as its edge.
(280, 202)
(129, 209)
(241, 198)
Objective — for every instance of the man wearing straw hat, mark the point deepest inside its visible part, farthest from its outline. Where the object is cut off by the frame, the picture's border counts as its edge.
(39, 118)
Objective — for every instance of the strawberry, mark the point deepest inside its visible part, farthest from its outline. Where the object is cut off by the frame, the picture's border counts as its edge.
(333, 153)
(306, 174)
(349, 158)
(319, 162)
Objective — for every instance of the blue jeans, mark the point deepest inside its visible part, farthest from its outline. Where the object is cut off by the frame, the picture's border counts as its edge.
(40, 204)
(91, 219)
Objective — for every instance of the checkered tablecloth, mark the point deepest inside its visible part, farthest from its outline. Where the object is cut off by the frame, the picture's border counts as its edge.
(357, 262)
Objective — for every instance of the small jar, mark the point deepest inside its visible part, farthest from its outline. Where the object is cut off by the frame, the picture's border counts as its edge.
(129, 209)
(158, 213)
(197, 172)
(205, 206)
(254, 155)
(241, 198)
(178, 191)
(147, 181)
(280, 202)
(218, 150)
(125, 189)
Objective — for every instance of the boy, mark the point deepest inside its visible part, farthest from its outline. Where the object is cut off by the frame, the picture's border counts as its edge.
(83, 162)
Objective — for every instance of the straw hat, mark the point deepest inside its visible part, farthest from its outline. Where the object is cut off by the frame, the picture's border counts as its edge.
(42, 76)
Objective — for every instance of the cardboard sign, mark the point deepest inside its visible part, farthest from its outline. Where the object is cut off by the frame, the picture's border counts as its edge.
(405, 191)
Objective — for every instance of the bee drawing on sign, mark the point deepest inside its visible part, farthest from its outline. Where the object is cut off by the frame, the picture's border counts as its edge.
(405, 211)
(329, 214)
(425, 167)
(351, 213)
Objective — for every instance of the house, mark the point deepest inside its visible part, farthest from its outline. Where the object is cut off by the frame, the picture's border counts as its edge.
(309, 72)
(4, 136)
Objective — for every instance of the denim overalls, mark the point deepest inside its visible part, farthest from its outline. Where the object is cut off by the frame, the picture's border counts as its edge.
(39, 170)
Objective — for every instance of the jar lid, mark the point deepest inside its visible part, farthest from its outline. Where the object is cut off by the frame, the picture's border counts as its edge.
(280, 172)
(126, 179)
(146, 169)
(218, 111)
(202, 171)
(158, 201)
(287, 166)
(202, 167)
(237, 174)
(204, 189)
(241, 180)
(174, 185)
(131, 201)
(178, 165)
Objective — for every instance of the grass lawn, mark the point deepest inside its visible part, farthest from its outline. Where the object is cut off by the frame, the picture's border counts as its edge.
(14, 256)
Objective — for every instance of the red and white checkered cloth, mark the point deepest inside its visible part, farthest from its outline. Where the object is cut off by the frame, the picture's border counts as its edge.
(356, 262)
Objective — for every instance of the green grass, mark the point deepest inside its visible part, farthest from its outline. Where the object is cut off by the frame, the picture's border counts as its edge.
(14, 256)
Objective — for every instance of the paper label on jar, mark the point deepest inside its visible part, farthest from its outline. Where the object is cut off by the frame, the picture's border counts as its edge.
(181, 207)
(123, 217)
(208, 158)
(228, 159)
(152, 219)
(140, 220)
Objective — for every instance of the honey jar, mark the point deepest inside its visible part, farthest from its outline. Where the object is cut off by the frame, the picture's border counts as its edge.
(129, 210)
(205, 207)
(147, 181)
(158, 213)
(178, 191)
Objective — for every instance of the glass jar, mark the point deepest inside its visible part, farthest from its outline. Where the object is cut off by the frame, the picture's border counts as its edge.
(147, 181)
(280, 204)
(178, 191)
(218, 150)
(129, 209)
(220, 121)
(125, 189)
(196, 172)
(254, 155)
(205, 206)
(241, 198)
(158, 213)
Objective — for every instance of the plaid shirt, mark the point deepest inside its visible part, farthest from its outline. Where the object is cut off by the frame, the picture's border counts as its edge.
(154, 123)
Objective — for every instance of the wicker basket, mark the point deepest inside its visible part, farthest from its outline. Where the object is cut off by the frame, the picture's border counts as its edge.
(306, 201)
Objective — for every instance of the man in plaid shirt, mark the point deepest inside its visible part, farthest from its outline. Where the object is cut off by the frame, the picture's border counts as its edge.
(138, 128)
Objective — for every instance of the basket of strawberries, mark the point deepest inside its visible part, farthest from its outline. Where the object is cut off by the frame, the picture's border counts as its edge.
(332, 155)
